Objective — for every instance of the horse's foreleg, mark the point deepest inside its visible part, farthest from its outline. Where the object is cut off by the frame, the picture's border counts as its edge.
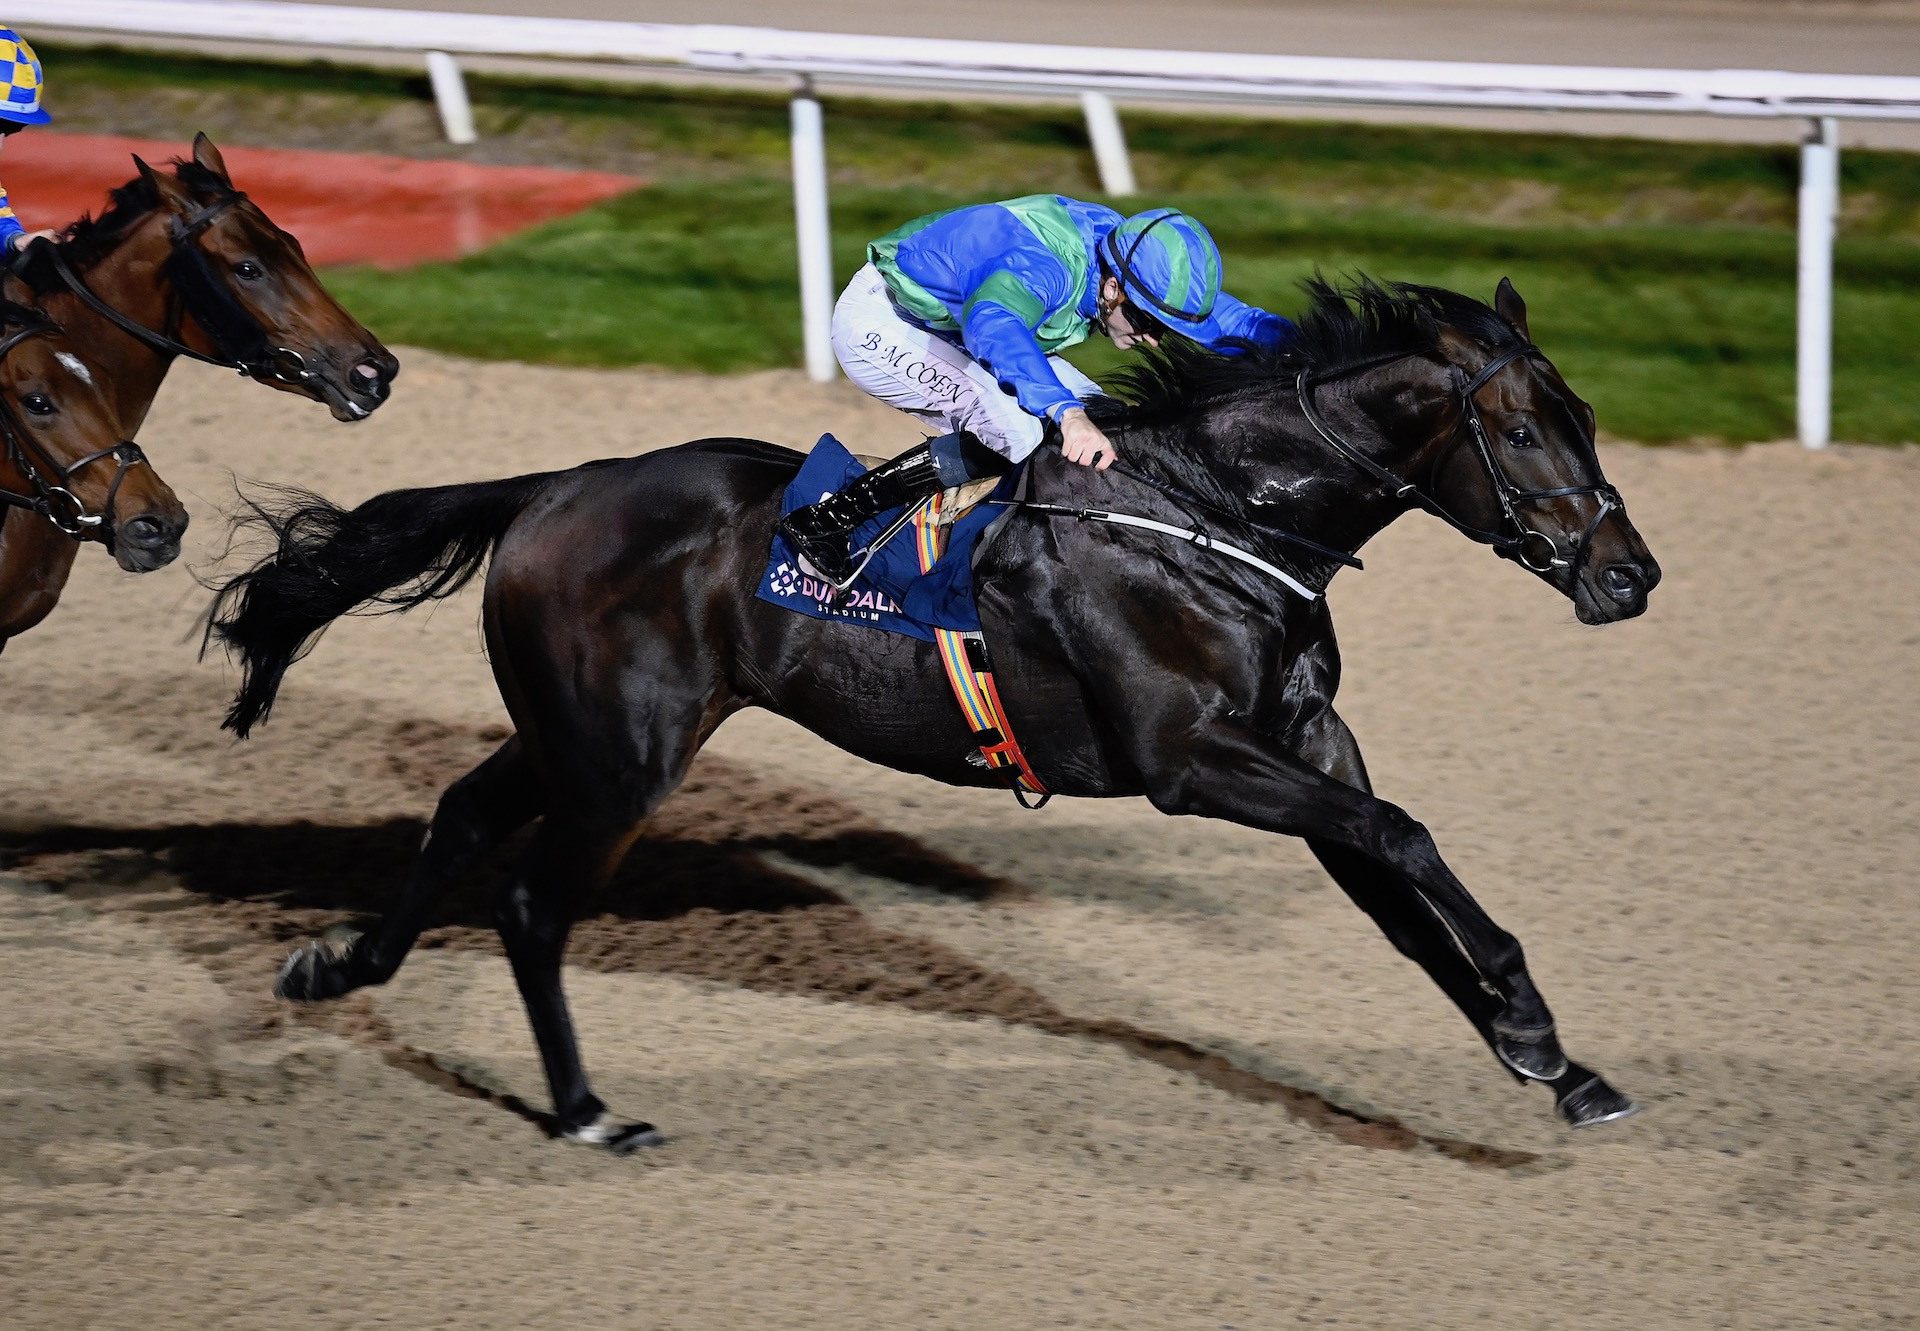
(1387, 862)
(1414, 925)
(1584, 1098)
(567, 860)
(476, 813)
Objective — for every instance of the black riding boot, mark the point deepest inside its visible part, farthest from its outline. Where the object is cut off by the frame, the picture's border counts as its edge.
(820, 531)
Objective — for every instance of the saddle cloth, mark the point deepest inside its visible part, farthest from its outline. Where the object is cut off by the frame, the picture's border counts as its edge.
(918, 583)
(894, 592)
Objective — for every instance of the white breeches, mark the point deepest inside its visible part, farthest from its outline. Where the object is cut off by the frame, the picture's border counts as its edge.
(929, 376)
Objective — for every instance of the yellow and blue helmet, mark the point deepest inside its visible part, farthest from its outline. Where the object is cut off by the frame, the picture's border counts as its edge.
(1169, 267)
(21, 104)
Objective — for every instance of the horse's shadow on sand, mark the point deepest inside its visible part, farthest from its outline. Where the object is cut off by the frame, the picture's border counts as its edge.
(718, 910)
(722, 910)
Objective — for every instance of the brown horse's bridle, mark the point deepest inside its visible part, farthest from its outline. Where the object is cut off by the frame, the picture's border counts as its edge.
(52, 499)
(240, 340)
(1521, 541)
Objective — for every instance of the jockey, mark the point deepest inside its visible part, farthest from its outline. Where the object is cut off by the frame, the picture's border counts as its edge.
(958, 318)
(19, 107)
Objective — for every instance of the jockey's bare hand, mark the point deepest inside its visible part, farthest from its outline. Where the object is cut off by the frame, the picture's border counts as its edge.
(1084, 442)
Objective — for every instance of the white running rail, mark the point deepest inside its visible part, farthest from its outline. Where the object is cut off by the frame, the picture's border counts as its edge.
(1094, 75)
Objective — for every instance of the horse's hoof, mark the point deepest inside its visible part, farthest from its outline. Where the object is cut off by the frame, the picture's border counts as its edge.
(1531, 1055)
(1593, 1102)
(318, 970)
(620, 1138)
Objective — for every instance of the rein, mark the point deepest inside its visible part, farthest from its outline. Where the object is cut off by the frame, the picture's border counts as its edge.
(53, 500)
(1180, 496)
(1203, 539)
(239, 338)
(1521, 541)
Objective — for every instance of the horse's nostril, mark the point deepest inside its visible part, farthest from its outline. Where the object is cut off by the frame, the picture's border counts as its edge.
(371, 378)
(1622, 582)
(143, 531)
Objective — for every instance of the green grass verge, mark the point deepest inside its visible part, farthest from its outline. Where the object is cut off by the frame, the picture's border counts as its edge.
(1660, 276)
(1671, 333)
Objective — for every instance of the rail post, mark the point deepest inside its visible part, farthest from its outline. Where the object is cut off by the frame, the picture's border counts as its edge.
(450, 95)
(1819, 210)
(812, 232)
(1109, 143)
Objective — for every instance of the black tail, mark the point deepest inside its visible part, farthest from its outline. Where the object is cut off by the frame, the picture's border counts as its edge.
(394, 552)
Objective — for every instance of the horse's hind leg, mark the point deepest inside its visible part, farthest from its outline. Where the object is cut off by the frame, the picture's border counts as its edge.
(476, 813)
(608, 750)
(569, 858)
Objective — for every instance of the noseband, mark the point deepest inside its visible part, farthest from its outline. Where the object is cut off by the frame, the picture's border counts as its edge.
(1526, 545)
(53, 499)
(240, 340)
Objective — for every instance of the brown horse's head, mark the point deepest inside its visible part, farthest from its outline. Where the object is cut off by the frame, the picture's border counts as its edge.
(1516, 458)
(67, 451)
(252, 298)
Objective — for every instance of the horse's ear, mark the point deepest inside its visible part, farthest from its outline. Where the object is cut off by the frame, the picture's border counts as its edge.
(1508, 305)
(164, 183)
(209, 156)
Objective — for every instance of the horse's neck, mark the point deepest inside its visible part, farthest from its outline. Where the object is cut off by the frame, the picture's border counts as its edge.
(132, 279)
(35, 559)
(1265, 462)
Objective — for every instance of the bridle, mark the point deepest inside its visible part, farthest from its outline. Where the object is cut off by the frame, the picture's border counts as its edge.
(240, 340)
(52, 498)
(1526, 545)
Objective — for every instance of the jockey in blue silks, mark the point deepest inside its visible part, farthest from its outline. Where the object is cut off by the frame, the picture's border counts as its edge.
(959, 318)
(19, 107)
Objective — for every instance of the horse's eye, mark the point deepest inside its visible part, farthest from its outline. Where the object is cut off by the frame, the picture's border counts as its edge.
(38, 403)
(1520, 437)
(249, 270)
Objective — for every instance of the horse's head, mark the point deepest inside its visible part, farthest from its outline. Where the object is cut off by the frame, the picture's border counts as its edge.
(1514, 458)
(252, 299)
(67, 457)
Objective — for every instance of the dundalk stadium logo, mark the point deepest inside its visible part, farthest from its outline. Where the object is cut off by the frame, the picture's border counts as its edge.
(863, 603)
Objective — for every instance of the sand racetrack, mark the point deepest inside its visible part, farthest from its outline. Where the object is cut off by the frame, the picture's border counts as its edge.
(927, 1060)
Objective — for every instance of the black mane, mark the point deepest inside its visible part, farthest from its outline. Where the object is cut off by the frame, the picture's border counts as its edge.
(1344, 324)
(89, 240)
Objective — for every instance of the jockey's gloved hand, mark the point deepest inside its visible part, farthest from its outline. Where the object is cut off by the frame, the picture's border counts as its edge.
(1084, 442)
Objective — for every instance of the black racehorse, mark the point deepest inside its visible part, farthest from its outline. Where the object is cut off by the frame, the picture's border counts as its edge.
(623, 629)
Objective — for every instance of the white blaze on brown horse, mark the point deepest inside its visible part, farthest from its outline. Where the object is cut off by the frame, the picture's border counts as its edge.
(70, 473)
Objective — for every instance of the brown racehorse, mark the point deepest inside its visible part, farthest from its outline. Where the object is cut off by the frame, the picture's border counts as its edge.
(70, 473)
(184, 264)
(180, 264)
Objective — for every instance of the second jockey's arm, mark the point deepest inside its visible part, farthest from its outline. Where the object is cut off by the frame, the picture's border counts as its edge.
(1004, 343)
(1241, 322)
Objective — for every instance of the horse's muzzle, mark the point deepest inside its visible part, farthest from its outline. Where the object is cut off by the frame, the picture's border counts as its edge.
(148, 542)
(1615, 592)
(358, 392)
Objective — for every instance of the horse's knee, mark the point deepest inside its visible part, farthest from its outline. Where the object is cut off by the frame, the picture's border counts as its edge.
(1396, 836)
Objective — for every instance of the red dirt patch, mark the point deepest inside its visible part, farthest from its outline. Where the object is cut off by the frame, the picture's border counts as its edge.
(345, 207)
